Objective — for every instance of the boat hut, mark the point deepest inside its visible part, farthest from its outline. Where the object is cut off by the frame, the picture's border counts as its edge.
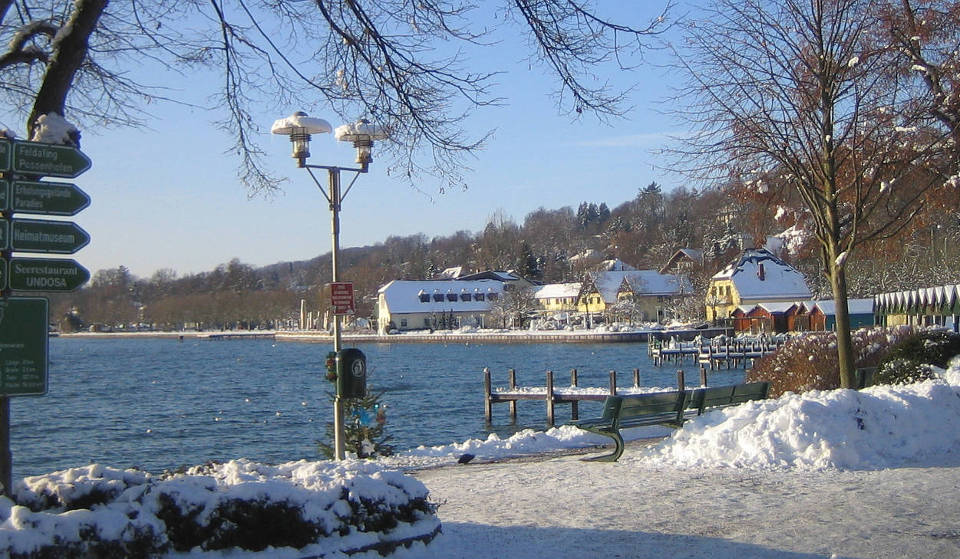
(930, 306)
(860, 310)
(771, 318)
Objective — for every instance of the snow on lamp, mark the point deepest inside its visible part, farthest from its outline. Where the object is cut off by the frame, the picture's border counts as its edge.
(362, 134)
(299, 127)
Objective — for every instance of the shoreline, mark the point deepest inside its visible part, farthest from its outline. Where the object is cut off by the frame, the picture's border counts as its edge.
(565, 336)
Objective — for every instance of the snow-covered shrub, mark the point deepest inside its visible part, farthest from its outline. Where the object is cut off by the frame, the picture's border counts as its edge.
(320, 507)
(913, 359)
(809, 362)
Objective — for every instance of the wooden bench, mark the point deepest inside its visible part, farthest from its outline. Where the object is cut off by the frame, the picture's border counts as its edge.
(705, 398)
(663, 408)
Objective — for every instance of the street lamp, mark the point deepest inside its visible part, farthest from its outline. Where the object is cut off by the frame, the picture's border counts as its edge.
(299, 127)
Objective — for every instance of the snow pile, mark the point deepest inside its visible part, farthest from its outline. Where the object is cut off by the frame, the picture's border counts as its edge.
(317, 508)
(526, 442)
(876, 428)
(52, 128)
(872, 429)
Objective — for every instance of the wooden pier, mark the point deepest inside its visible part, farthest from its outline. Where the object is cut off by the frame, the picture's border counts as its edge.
(246, 335)
(715, 353)
(553, 395)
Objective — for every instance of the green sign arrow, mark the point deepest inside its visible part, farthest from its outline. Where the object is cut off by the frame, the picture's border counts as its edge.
(6, 152)
(24, 358)
(48, 237)
(46, 274)
(46, 198)
(50, 160)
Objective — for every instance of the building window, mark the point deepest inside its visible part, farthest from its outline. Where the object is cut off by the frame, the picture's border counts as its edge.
(492, 296)
(478, 297)
(424, 297)
(464, 296)
(452, 297)
(403, 323)
(438, 297)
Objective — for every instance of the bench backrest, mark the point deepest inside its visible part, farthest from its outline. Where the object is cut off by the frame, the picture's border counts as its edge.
(646, 404)
(720, 396)
(664, 407)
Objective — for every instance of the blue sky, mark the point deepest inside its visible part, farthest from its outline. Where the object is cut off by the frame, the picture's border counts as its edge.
(167, 196)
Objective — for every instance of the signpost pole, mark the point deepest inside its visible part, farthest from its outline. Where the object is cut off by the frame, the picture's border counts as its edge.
(6, 457)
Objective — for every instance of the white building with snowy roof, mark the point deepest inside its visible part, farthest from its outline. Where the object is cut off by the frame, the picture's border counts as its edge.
(757, 276)
(435, 304)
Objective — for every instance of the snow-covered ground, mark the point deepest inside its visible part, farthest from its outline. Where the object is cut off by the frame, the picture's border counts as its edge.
(846, 474)
(868, 474)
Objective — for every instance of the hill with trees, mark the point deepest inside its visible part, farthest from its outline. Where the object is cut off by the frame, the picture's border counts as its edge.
(550, 245)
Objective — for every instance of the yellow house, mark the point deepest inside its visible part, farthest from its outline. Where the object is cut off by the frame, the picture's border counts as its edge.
(641, 294)
(557, 297)
(757, 276)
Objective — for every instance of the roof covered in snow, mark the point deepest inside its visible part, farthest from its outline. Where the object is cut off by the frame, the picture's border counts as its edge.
(758, 274)
(641, 282)
(451, 273)
(854, 306)
(498, 275)
(403, 296)
(615, 265)
(557, 290)
(691, 255)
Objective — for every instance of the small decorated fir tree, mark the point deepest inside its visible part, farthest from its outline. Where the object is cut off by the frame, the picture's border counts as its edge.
(363, 422)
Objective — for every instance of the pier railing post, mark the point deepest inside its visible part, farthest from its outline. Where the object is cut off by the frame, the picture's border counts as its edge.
(703, 376)
(613, 383)
(513, 403)
(550, 416)
(636, 378)
(680, 382)
(487, 404)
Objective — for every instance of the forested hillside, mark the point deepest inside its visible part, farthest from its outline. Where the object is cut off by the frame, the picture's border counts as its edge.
(549, 245)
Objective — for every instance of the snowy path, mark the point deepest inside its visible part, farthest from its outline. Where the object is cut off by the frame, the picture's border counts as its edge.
(570, 508)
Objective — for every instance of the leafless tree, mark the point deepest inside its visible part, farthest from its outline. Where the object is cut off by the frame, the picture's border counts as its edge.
(403, 65)
(798, 89)
(927, 35)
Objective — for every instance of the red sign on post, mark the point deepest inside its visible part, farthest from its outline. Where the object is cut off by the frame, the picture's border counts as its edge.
(341, 297)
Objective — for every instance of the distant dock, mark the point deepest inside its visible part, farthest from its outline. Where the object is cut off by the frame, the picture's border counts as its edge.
(715, 353)
(223, 336)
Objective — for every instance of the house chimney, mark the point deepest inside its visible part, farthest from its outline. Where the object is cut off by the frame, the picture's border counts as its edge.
(760, 273)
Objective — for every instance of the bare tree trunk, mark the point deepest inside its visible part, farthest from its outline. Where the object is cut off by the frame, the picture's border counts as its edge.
(67, 58)
(845, 356)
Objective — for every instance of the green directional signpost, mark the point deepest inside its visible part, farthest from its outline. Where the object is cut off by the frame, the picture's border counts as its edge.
(6, 154)
(43, 198)
(49, 160)
(48, 237)
(46, 274)
(24, 320)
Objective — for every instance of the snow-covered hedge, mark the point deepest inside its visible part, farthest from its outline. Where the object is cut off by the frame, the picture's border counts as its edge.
(809, 362)
(318, 508)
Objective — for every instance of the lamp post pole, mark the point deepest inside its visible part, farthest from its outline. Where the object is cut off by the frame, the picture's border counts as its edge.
(335, 198)
(299, 127)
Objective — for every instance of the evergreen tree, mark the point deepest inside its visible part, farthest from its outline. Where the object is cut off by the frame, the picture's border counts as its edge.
(364, 420)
